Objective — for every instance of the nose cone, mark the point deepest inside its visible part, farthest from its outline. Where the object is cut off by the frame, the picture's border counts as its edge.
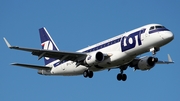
(168, 36)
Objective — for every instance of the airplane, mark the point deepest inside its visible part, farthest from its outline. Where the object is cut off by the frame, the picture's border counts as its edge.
(119, 52)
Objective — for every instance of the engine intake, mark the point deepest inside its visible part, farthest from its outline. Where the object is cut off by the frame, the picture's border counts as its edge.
(151, 61)
(94, 58)
(146, 63)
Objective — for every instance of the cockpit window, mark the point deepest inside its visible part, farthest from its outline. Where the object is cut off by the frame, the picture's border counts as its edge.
(156, 27)
(159, 27)
(152, 28)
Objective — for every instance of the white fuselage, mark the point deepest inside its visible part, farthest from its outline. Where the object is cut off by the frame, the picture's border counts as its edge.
(121, 49)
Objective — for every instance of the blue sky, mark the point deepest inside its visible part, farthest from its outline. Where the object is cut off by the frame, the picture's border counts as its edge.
(75, 24)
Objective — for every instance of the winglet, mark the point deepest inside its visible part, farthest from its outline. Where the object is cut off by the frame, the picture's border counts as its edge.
(7, 43)
(170, 59)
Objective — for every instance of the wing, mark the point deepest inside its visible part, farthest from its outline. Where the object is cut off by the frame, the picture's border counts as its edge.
(32, 66)
(166, 62)
(63, 56)
(137, 59)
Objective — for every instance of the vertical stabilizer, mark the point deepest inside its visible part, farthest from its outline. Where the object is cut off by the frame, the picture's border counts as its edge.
(47, 43)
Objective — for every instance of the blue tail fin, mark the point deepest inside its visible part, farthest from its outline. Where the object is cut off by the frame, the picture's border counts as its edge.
(47, 43)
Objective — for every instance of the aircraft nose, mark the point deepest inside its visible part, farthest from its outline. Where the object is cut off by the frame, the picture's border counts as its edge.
(168, 36)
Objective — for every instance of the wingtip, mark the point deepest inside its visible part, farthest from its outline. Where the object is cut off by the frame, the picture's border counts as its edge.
(13, 63)
(7, 43)
(170, 59)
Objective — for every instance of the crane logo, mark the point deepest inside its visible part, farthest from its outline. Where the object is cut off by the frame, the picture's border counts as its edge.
(47, 45)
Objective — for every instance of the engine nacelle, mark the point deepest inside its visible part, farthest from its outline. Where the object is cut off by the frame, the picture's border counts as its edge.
(44, 72)
(146, 63)
(94, 58)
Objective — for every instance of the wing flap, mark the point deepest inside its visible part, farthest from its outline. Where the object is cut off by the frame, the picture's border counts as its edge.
(32, 66)
(58, 54)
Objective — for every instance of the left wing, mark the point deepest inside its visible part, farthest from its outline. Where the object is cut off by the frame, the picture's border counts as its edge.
(63, 56)
(166, 62)
(147, 62)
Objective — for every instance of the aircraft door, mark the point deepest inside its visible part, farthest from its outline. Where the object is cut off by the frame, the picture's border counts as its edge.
(142, 34)
(146, 34)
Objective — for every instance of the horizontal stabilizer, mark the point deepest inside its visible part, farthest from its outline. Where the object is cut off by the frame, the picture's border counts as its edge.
(32, 66)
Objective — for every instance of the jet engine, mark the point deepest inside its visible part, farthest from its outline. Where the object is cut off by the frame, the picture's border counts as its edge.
(146, 63)
(94, 58)
(44, 72)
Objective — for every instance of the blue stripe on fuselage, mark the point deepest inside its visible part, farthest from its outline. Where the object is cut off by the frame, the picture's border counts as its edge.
(103, 45)
(111, 42)
(157, 30)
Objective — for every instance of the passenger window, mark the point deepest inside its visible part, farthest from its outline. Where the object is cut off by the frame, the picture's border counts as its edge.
(112, 42)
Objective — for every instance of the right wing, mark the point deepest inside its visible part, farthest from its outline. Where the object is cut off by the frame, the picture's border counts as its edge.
(62, 56)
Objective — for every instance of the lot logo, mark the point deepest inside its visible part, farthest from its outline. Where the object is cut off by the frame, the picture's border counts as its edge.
(130, 41)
